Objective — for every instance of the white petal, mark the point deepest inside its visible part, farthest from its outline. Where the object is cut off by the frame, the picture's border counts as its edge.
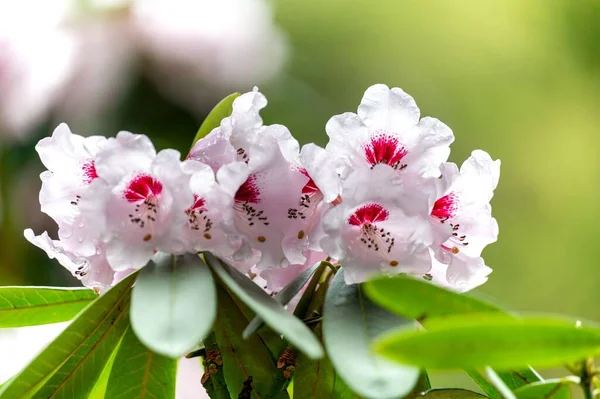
(392, 110)
(322, 168)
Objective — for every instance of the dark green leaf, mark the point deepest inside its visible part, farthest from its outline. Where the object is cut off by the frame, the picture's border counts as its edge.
(267, 308)
(29, 306)
(241, 358)
(283, 297)
(504, 343)
(316, 379)
(139, 373)
(92, 327)
(421, 300)
(222, 110)
(549, 389)
(517, 378)
(173, 304)
(452, 394)
(350, 324)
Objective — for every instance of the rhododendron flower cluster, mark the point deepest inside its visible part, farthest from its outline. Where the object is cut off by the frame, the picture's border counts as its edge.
(381, 197)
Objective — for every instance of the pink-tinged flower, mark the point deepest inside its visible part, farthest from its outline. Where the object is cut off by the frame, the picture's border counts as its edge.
(274, 206)
(276, 279)
(210, 219)
(382, 225)
(138, 200)
(70, 160)
(93, 271)
(464, 206)
(387, 130)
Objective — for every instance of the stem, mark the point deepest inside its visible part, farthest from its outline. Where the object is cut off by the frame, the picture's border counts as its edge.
(499, 384)
(587, 378)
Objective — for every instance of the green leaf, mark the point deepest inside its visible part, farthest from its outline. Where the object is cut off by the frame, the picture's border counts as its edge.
(484, 384)
(139, 373)
(173, 304)
(350, 324)
(452, 394)
(267, 308)
(77, 377)
(491, 340)
(421, 300)
(222, 110)
(283, 297)
(316, 378)
(92, 328)
(517, 378)
(241, 358)
(29, 306)
(549, 389)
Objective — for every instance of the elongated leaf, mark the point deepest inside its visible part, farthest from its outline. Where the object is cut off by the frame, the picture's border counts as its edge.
(452, 394)
(283, 297)
(267, 308)
(484, 384)
(316, 378)
(500, 342)
(29, 306)
(173, 304)
(78, 375)
(421, 300)
(213, 119)
(90, 324)
(424, 301)
(350, 324)
(241, 358)
(549, 389)
(139, 373)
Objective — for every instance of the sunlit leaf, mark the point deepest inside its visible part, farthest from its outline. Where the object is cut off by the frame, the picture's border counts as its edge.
(549, 389)
(267, 308)
(173, 304)
(351, 322)
(454, 393)
(504, 343)
(29, 306)
(283, 297)
(137, 372)
(213, 119)
(92, 328)
(421, 300)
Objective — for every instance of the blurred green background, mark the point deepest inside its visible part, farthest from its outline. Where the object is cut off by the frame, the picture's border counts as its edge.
(520, 79)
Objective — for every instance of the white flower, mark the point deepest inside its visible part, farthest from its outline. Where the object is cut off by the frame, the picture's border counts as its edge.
(93, 271)
(276, 279)
(210, 219)
(138, 199)
(387, 130)
(70, 160)
(464, 205)
(275, 206)
(382, 225)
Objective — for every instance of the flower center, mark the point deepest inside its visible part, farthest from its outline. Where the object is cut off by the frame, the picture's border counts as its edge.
(89, 171)
(368, 214)
(445, 207)
(372, 236)
(144, 191)
(248, 194)
(307, 205)
(143, 187)
(197, 218)
(386, 149)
